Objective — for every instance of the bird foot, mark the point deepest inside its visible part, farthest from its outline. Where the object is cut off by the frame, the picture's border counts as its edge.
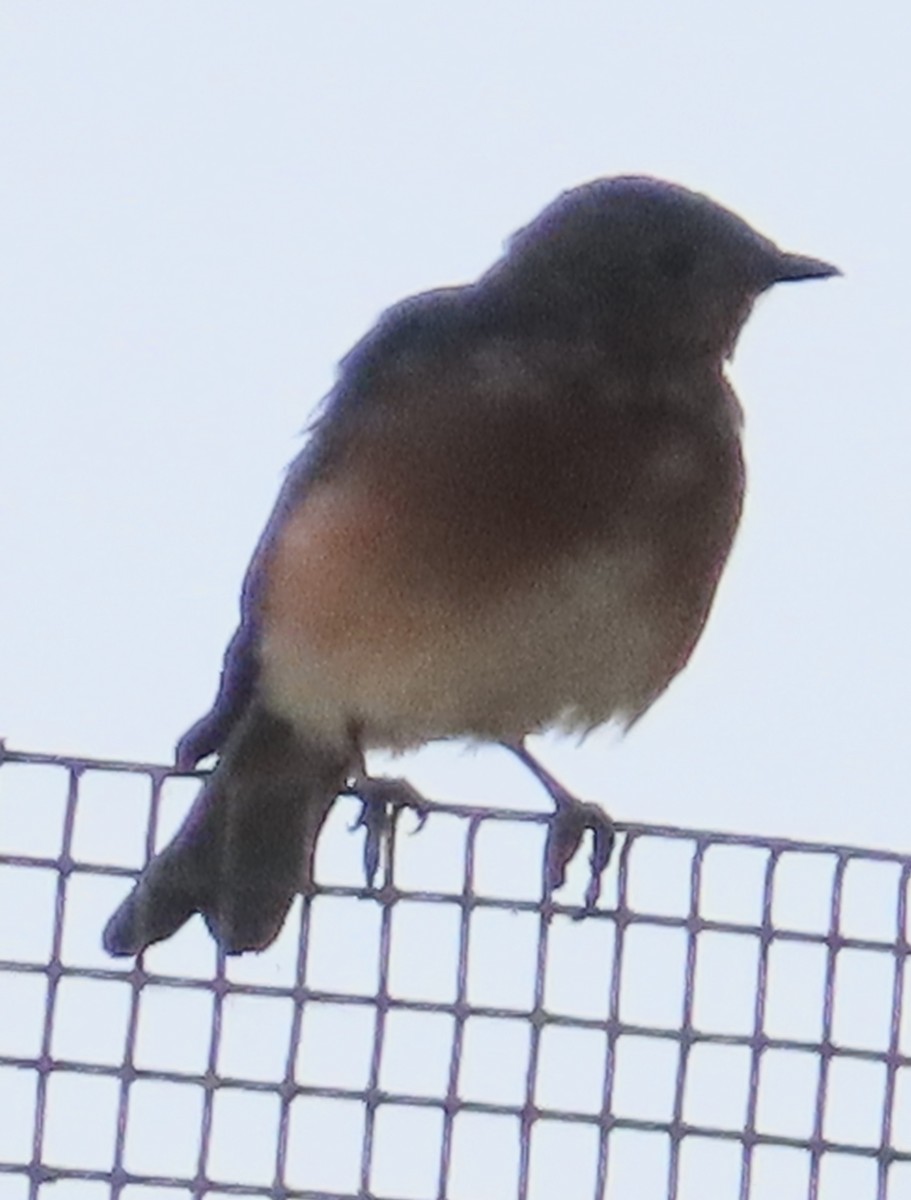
(567, 828)
(382, 799)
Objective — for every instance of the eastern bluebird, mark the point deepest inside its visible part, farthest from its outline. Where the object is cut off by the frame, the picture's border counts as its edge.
(511, 515)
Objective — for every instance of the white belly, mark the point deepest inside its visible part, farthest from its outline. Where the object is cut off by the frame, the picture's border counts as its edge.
(575, 647)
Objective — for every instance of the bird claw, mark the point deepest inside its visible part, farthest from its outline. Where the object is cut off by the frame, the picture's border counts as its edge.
(567, 828)
(382, 799)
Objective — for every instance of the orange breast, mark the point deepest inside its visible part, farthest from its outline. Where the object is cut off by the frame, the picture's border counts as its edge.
(491, 580)
(331, 575)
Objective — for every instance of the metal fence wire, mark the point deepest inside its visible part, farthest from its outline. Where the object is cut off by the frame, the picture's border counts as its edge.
(734, 1020)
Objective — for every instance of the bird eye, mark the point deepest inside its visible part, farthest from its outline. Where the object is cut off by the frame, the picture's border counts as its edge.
(676, 260)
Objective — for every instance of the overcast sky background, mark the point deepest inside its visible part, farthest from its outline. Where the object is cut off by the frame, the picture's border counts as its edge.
(205, 205)
(202, 207)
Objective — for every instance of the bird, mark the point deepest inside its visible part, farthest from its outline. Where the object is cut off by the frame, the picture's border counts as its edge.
(510, 516)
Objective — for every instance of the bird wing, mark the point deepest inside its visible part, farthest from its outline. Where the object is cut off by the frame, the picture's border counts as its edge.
(407, 326)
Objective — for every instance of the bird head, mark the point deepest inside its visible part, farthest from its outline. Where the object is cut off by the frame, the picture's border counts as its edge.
(650, 267)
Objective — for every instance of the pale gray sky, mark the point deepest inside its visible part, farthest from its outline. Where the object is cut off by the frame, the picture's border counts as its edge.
(204, 205)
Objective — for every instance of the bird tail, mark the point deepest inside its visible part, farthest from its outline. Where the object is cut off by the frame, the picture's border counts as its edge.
(246, 847)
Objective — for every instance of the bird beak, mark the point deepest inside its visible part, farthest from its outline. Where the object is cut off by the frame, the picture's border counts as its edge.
(791, 267)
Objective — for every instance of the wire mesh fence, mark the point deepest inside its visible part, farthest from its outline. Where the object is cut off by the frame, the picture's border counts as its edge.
(733, 1021)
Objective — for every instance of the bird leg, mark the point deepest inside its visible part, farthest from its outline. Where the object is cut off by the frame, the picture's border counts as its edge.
(567, 827)
(382, 798)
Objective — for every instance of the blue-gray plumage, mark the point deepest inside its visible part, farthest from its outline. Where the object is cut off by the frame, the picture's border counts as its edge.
(511, 515)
